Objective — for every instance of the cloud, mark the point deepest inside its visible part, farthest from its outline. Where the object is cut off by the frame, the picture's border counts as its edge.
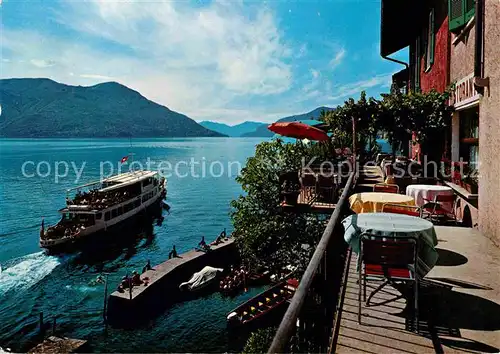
(192, 60)
(94, 76)
(315, 73)
(337, 60)
(383, 80)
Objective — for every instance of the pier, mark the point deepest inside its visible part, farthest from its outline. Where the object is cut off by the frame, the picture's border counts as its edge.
(55, 344)
(164, 280)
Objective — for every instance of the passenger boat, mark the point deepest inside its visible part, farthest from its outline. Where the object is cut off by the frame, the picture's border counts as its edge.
(265, 304)
(100, 206)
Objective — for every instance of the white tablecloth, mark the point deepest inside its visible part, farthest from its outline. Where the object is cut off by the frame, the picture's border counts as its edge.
(388, 224)
(421, 192)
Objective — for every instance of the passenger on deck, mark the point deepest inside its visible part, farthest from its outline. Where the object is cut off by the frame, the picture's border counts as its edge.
(136, 278)
(173, 253)
(202, 243)
(147, 267)
(125, 282)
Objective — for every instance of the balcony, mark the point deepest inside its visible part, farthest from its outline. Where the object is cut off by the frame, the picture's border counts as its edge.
(459, 299)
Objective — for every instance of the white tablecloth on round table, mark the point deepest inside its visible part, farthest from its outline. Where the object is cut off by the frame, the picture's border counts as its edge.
(388, 224)
(421, 192)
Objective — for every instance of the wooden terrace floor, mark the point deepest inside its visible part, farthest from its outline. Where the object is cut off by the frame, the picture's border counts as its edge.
(459, 304)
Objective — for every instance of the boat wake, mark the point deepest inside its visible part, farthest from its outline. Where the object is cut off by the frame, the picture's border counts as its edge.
(26, 271)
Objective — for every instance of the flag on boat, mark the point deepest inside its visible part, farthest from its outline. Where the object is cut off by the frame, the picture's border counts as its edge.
(124, 159)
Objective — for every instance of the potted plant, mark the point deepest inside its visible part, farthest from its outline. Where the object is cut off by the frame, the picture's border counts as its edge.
(290, 190)
(470, 183)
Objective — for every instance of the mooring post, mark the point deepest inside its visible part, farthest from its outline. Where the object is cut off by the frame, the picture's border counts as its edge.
(54, 326)
(105, 306)
(41, 323)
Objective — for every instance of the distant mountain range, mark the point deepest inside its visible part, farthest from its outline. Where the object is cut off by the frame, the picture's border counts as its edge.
(232, 130)
(44, 108)
(262, 130)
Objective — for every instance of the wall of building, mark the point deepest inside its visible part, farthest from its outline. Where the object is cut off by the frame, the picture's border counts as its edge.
(489, 127)
(437, 76)
(461, 65)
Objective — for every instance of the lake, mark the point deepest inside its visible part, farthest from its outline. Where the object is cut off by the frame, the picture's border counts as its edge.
(199, 193)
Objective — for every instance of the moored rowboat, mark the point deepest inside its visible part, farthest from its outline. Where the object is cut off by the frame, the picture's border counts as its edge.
(262, 305)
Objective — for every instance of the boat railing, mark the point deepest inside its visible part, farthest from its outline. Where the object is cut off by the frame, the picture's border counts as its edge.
(308, 324)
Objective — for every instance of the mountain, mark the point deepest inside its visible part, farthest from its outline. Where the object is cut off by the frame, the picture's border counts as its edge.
(262, 131)
(39, 108)
(232, 130)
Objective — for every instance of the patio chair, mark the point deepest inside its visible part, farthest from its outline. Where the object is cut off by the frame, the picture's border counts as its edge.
(386, 188)
(308, 190)
(326, 189)
(402, 209)
(389, 258)
(436, 211)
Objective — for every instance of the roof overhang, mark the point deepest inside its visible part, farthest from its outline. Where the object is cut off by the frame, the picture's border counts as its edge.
(400, 24)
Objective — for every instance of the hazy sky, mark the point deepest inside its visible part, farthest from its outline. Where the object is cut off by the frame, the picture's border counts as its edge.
(226, 61)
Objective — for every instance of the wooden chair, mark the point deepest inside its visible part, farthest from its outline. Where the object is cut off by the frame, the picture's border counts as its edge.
(436, 211)
(402, 209)
(391, 259)
(386, 188)
(326, 188)
(308, 190)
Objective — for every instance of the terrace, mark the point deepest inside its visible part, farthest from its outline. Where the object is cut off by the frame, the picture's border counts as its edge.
(459, 298)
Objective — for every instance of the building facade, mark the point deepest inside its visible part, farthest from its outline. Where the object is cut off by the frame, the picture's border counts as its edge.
(457, 42)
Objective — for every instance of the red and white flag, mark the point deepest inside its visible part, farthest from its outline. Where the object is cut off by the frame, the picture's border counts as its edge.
(124, 159)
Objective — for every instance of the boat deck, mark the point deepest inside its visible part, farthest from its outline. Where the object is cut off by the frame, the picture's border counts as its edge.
(459, 304)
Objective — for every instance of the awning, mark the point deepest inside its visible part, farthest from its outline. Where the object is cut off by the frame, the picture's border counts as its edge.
(401, 21)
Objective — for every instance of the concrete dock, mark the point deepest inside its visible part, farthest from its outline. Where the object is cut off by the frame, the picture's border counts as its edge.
(55, 345)
(164, 281)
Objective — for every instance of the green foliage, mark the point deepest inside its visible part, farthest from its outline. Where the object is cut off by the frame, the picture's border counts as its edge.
(264, 232)
(259, 341)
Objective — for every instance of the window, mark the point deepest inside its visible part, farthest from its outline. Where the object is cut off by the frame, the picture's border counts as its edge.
(98, 216)
(106, 216)
(429, 48)
(114, 213)
(417, 66)
(460, 12)
(469, 136)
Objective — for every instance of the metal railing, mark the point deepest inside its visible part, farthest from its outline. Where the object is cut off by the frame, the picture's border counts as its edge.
(308, 324)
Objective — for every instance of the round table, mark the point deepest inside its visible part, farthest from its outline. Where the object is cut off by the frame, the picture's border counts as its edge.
(422, 193)
(390, 225)
(372, 202)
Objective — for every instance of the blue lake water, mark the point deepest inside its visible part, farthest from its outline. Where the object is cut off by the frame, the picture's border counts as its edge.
(32, 282)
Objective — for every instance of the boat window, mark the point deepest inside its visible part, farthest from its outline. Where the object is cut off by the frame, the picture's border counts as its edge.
(128, 207)
(137, 203)
(114, 213)
(98, 216)
(106, 216)
(120, 211)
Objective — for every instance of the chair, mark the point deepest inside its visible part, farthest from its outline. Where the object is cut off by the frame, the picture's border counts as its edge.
(387, 188)
(435, 209)
(402, 209)
(326, 189)
(308, 190)
(393, 259)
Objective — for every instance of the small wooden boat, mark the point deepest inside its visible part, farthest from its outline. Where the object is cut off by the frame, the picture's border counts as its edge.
(264, 304)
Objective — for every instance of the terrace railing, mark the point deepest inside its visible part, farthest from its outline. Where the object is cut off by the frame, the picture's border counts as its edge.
(309, 324)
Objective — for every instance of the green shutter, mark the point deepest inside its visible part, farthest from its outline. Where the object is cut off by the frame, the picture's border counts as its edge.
(417, 64)
(432, 37)
(456, 13)
(469, 9)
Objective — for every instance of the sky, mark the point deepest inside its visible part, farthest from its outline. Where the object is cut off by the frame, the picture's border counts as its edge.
(225, 61)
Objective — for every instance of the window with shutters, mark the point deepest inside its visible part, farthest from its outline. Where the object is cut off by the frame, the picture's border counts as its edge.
(460, 12)
(429, 45)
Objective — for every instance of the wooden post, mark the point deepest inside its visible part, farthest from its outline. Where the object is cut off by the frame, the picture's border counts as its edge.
(41, 323)
(54, 326)
(105, 299)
